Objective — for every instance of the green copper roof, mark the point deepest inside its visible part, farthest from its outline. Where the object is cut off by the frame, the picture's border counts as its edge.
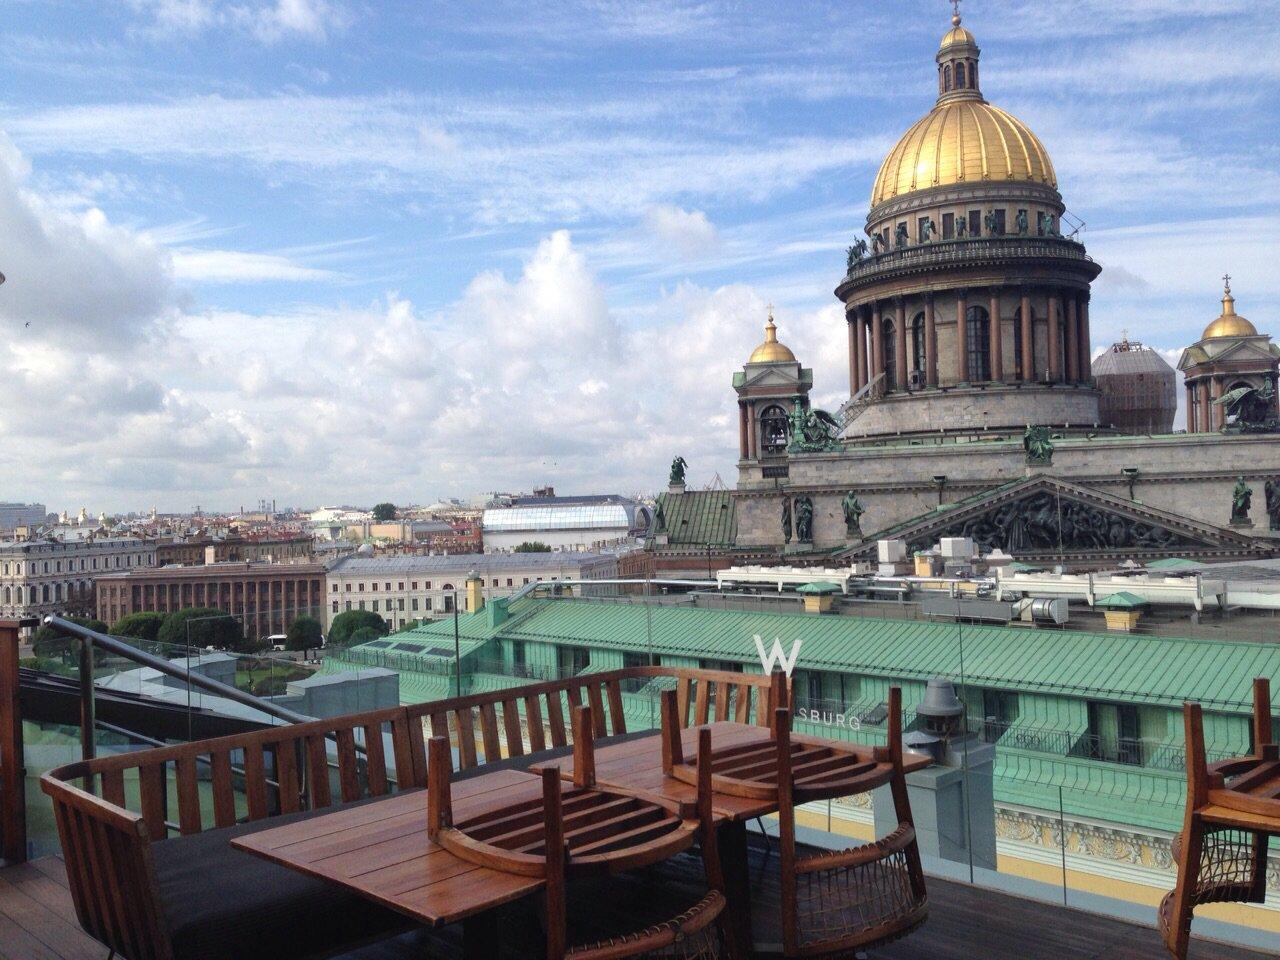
(1124, 600)
(820, 587)
(1173, 563)
(699, 517)
(1134, 669)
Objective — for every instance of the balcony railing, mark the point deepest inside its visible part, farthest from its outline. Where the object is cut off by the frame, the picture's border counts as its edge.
(944, 253)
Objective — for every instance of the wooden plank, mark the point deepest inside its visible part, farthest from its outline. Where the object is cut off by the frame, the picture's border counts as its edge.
(511, 727)
(722, 701)
(683, 688)
(466, 739)
(348, 773)
(318, 772)
(255, 781)
(224, 800)
(597, 709)
(375, 760)
(489, 733)
(555, 717)
(151, 798)
(702, 703)
(533, 720)
(742, 703)
(617, 718)
(188, 795)
(286, 766)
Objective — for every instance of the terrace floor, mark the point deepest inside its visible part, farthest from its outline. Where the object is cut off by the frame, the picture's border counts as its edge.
(37, 922)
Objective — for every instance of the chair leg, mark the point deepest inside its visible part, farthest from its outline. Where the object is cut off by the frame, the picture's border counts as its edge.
(1191, 851)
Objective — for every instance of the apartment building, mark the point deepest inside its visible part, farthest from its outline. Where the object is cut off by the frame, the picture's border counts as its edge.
(39, 577)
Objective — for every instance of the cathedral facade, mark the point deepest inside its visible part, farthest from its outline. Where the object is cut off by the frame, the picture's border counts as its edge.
(973, 406)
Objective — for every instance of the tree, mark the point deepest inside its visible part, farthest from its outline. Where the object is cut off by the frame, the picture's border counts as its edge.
(364, 635)
(345, 625)
(384, 512)
(304, 634)
(140, 626)
(202, 627)
(49, 642)
(533, 546)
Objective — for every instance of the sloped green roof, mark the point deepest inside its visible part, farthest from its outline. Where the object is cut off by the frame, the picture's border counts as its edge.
(820, 587)
(1172, 563)
(699, 517)
(1136, 669)
(1124, 600)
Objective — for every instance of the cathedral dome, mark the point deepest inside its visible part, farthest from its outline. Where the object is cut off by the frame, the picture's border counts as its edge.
(1230, 324)
(963, 139)
(771, 351)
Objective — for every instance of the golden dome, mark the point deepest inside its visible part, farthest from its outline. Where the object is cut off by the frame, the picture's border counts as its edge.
(957, 34)
(771, 351)
(963, 141)
(1230, 324)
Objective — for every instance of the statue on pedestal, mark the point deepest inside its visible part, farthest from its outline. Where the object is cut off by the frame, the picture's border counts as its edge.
(678, 467)
(1272, 489)
(1039, 446)
(1241, 502)
(962, 228)
(927, 230)
(786, 520)
(1024, 226)
(804, 519)
(901, 237)
(857, 253)
(853, 511)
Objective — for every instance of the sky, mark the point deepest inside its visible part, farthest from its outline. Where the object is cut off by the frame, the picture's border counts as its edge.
(345, 251)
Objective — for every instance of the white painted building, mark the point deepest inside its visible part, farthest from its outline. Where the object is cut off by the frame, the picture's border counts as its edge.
(404, 588)
(39, 577)
(563, 523)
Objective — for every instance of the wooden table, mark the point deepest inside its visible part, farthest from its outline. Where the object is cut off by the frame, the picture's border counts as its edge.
(380, 851)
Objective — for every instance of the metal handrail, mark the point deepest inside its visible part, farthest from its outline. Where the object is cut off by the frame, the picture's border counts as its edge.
(170, 669)
(947, 251)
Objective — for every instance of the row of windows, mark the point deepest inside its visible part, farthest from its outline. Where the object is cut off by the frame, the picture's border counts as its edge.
(122, 561)
(47, 592)
(963, 77)
(377, 606)
(977, 345)
(426, 585)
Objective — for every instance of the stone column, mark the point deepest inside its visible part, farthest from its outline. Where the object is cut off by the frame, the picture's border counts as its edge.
(962, 338)
(742, 431)
(1073, 342)
(853, 354)
(1203, 387)
(1028, 340)
(1055, 337)
(900, 354)
(930, 343)
(1217, 417)
(860, 344)
(1086, 346)
(1191, 408)
(997, 337)
(751, 430)
(877, 343)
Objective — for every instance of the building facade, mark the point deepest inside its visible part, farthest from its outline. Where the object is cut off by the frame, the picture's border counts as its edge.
(563, 523)
(264, 597)
(201, 550)
(40, 577)
(968, 315)
(402, 589)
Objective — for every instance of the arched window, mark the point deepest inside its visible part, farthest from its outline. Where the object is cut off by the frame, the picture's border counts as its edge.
(946, 78)
(917, 344)
(890, 356)
(1017, 345)
(8, 595)
(44, 592)
(978, 347)
(775, 430)
(960, 84)
(973, 76)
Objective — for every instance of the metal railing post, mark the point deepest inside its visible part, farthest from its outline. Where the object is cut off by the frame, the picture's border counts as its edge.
(13, 796)
(87, 717)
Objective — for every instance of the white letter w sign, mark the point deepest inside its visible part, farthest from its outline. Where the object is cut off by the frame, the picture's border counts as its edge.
(777, 657)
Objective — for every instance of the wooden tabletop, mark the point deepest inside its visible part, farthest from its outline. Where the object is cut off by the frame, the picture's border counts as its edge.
(380, 851)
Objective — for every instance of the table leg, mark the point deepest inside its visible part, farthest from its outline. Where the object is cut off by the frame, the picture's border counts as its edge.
(732, 843)
(481, 938)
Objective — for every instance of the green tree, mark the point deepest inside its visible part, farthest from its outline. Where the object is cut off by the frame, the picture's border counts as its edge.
(533, 546)
(304, 634)
(203, 627)
(384, 512)
(49, 642)
(345, 625)
(140, 626)
(363, 635)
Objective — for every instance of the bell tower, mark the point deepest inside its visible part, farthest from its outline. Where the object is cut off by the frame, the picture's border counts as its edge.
(769, 387)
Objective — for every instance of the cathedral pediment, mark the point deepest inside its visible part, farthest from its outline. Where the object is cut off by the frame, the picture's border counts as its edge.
(772, 377)
(1044, 518)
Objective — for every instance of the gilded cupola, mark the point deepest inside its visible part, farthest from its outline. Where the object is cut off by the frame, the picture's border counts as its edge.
(1230, 324)
(963, 139)
(771, 351)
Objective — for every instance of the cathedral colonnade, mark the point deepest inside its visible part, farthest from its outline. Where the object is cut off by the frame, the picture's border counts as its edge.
(917, 341)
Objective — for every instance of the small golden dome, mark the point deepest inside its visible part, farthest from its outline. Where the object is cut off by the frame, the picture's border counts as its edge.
(957, 34)
(771, 351)
(1230, 324)
(963, 141)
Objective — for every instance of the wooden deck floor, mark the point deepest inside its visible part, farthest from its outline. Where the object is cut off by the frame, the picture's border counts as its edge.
(37, 922)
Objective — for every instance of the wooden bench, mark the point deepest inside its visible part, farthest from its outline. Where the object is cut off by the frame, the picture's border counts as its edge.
(146, 834)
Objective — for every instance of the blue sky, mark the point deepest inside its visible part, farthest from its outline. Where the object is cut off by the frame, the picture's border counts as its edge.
(332, 250)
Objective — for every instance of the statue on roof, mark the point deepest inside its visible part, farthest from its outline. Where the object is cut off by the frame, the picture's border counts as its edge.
(1024, 225)
(1272, 490)
(1250, 409)
(901, 237)
(857, 253)
(812, 430)
(992, 223)
(678, 467)
(927, 229)
(786, 519)
(877, 244)
(1038, 444)
(1241, 502)
(962, 227)
(853, 511)
(804, 519)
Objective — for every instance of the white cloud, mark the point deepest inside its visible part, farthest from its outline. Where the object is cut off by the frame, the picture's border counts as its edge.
(238, 266)
(269, 22)
(687, 232)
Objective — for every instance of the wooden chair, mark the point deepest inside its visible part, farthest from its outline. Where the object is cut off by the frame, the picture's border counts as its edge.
(588, 830)
(1233, 809)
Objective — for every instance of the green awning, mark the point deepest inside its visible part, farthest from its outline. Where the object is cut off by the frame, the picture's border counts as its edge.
(1124, 600)
(820, 588)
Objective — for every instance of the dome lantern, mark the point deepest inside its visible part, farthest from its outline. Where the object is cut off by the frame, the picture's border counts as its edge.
(771, 351)
(958, 64)
(1230, 324)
